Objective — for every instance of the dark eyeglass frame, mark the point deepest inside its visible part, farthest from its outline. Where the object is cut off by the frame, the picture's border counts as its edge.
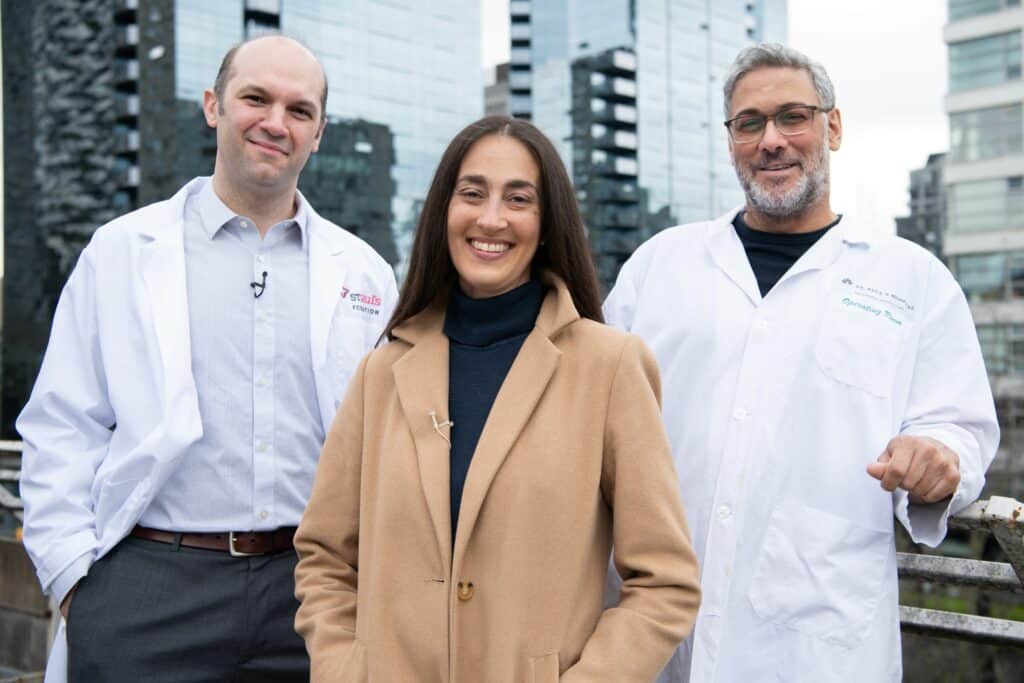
(814, 109)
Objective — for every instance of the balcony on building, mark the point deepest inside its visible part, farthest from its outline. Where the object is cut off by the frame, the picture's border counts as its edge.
(519, 9)
(610, 139)
(613, 88)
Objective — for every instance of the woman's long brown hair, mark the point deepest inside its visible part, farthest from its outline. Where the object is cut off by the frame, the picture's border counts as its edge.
(564, 249)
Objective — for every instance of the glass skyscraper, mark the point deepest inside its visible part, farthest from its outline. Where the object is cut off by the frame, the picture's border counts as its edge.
(683, 49)
(412, 66)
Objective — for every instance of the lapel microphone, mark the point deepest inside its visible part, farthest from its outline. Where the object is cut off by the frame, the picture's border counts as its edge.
(438, 425)
(258, 287)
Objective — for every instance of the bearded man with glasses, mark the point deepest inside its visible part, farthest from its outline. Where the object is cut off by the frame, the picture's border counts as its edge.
(820, 379)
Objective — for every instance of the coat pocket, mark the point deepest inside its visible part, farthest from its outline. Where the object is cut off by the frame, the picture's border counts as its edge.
(859, 344)
(544, 669)
(820, 574)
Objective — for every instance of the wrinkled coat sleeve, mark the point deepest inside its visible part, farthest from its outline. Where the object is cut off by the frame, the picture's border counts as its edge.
(327, 542)
(950, 400)
(660, 590)
(66, 427)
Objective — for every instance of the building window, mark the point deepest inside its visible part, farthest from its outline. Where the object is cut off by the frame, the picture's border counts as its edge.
(984, 61)
(1002, 346)
(985, 133)
(986, 206)
(995, 276)
(961, 9)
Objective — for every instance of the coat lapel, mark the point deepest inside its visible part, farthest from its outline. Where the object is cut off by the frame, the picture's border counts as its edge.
(525, 384)
(162, 262)
(421, 379)
(326, 278)
(522, 389)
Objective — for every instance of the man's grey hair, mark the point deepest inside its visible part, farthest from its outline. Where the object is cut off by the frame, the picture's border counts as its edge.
(775, 55)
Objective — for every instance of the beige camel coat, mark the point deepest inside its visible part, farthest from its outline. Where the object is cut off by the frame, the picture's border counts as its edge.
(573, 458)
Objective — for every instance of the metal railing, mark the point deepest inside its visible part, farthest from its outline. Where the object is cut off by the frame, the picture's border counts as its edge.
(1004, 519)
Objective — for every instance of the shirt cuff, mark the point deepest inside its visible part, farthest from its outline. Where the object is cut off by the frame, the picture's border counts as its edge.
(68, 578)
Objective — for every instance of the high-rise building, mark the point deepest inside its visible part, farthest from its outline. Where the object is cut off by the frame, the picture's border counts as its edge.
(102, 115)
(984, 238)
(682, 50)
(927, 220)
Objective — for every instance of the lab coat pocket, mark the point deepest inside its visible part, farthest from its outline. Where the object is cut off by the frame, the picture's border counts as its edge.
(859, 344)
(544, 669)
(820, 574)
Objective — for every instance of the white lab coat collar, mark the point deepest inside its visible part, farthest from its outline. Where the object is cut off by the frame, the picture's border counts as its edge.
(727, 253)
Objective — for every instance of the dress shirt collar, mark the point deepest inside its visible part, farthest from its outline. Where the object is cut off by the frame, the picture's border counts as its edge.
(214, 214)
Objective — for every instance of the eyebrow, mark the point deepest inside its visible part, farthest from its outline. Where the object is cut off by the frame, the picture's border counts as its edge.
(782, 107)
(252, 88)
(510, 185)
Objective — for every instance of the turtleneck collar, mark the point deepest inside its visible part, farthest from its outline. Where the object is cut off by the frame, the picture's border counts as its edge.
(482, 322)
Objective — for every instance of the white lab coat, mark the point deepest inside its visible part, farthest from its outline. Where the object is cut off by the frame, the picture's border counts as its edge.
(119, 354)
(774, 408)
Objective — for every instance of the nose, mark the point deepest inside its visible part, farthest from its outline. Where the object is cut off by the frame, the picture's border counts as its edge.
(772, 140)
(492, 215)
(273, 121)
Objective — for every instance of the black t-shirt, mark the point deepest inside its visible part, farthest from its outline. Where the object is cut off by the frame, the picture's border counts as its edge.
(771, 254)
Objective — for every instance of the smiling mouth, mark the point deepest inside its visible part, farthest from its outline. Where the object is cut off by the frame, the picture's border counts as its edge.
(490, 247)
(267, 147)
(777, 167)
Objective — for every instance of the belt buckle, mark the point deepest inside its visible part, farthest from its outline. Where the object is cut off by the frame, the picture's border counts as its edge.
(233, 551)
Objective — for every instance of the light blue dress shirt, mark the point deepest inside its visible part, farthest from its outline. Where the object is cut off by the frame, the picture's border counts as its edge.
(252, 364)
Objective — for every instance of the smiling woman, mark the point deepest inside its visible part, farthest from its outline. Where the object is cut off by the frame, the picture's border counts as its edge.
(486, 461)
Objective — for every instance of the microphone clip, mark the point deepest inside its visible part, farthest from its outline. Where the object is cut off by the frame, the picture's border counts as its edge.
(258, 287)
(437, 426)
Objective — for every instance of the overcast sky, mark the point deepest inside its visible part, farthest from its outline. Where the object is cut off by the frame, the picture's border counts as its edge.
(887, 60)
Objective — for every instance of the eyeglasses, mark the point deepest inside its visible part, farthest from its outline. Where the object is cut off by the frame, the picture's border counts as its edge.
(789, 121)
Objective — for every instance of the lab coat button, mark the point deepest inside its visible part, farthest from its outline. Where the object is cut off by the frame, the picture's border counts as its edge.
(465, 591)
(264, 514)
(724, 512)
(741, 414)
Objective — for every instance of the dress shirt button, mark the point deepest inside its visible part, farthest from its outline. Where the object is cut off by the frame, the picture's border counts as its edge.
(261, 447)
(264, 514)
(260, 382)
(262, 317)
(724, 512)
(763, 325)
(741, 414)
(465, 591)
(260, 259)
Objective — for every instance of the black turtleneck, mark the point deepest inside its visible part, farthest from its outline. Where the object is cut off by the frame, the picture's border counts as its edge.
(484, 337)
(771, 254)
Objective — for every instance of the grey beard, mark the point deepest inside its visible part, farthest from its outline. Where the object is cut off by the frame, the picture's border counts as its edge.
(809, 189)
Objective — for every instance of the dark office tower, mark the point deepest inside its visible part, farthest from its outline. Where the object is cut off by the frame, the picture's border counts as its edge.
(60, 108)
(927, 220)
(604, 156)
(349, 181)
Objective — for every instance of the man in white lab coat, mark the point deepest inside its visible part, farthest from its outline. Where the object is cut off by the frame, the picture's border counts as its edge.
(819, 378)
(198, 353)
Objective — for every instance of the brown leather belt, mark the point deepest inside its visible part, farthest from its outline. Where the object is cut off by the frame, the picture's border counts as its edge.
(237, 543)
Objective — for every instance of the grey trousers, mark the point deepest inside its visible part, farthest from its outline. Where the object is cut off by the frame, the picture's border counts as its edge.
(157, 612)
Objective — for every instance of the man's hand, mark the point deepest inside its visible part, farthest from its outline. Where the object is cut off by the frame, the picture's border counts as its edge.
(65, 604)
(920, 465)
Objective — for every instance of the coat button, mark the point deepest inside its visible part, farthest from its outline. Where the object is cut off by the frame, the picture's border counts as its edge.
(465, 591)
